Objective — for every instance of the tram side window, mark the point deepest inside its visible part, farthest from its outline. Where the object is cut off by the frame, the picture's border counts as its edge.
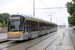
(34, 26)
(21, 22)
(54, 26)
(40, 26)
(43, 26)
(26, 26)
(51, 26)
(48, 26)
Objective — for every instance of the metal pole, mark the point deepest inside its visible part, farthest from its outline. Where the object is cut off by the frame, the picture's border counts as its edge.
(34, 8)
(51, 16)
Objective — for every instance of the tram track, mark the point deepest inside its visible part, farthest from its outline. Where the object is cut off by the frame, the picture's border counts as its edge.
(3, 41)
(6, 42)
(12, 43)
(24, 41)
(43, 40)
(38, 42)
(51, 43)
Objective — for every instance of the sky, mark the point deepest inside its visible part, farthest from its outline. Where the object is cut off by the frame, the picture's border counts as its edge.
(25, 7)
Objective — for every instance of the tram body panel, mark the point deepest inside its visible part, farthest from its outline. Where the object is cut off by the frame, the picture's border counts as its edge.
(48, 31)
(39, 33)
(25, 35)
(43, 32)
(34, 34)
(52, 30)
(15, 33)
(15, 37)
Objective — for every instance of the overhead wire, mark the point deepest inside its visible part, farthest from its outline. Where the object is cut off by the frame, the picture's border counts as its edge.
(54, 3)
(45, 6)
(43, 3)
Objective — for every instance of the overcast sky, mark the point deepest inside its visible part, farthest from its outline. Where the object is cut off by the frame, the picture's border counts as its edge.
(59, 16)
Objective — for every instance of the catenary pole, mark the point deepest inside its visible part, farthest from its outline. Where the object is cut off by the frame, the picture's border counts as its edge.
(34, 8)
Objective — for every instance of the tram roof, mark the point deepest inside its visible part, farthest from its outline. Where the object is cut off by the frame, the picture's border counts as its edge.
(32, 17)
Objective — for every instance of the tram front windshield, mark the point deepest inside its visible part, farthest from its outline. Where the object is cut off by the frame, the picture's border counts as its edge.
(15, 25)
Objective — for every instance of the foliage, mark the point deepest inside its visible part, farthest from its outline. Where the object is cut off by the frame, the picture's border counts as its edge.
(5, 16)
(4, 24)
(71, 10)
(70, 7)
(3, 19)
(73, 1)
(1, 24)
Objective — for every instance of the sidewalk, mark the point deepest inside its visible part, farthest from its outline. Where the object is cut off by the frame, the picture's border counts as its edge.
(66, 42)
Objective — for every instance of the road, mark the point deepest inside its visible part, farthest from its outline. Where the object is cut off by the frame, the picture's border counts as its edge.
(46, 42)
(72, 34)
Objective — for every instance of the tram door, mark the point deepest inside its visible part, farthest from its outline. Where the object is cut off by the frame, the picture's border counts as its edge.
(42, 28)
(28, 26)
(27, 29)
(34, 29)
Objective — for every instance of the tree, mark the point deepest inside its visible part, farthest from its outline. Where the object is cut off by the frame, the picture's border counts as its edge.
(71, 10)
(4, 24)
(71, 19)
(70, 7)
(1, 24)
(5, 16)
(1, 18)
(73, 1)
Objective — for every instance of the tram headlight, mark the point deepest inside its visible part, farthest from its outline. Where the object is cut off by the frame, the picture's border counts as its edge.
(21, 32)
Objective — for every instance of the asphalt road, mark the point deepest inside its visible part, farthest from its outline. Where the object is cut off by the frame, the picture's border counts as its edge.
(72, 34)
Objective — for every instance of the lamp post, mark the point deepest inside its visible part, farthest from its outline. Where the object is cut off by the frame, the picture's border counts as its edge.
(34, 8)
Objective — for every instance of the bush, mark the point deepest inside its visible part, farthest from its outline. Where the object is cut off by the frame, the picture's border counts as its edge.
(1, 24)
(4, 24)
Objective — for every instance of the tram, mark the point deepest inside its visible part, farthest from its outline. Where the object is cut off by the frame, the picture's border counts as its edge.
(22, 27)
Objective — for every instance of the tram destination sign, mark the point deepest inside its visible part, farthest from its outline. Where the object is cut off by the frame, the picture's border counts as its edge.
(14, 17)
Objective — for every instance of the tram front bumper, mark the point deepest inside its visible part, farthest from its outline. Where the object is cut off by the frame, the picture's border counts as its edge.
(15, 37)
